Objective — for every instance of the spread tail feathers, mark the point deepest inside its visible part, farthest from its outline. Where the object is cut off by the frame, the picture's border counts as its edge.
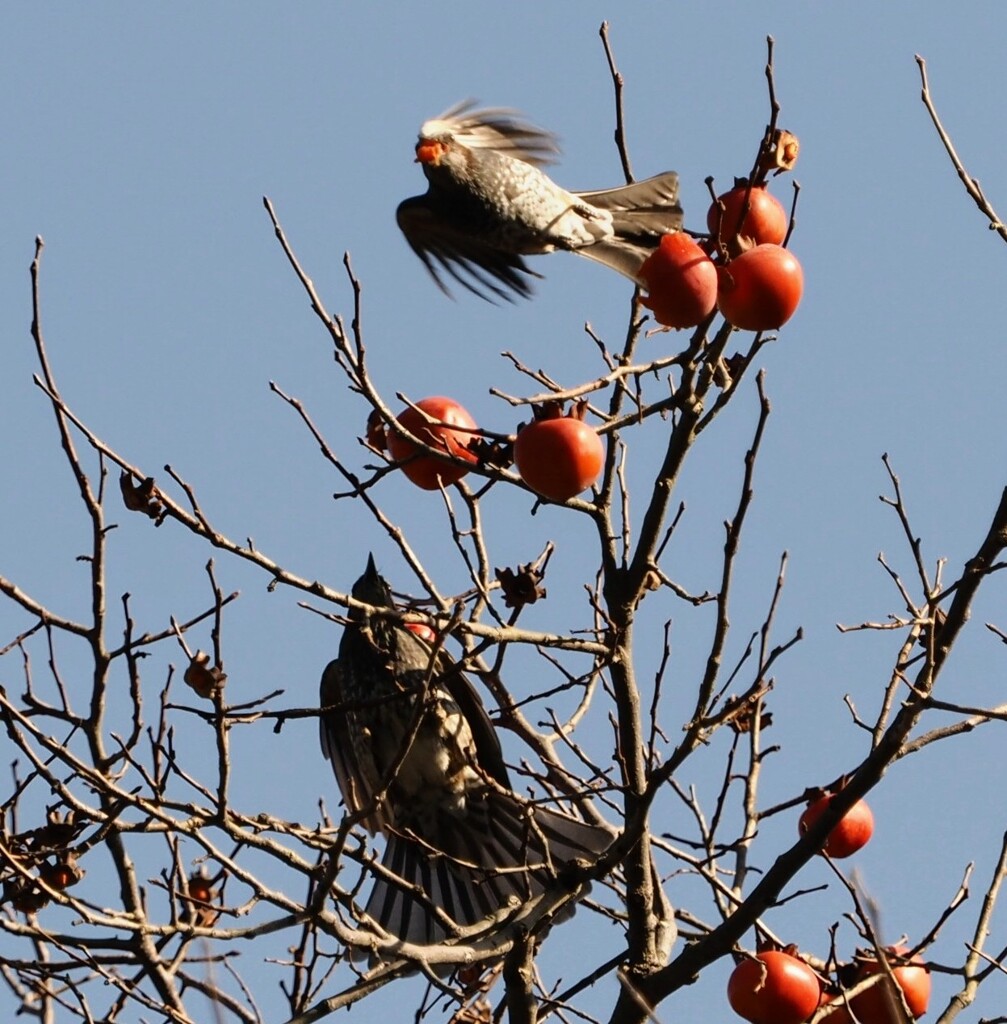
(501, 853)
(641, 213)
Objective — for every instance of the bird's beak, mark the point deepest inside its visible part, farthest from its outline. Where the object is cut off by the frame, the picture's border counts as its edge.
(429, 151)
(370, 588)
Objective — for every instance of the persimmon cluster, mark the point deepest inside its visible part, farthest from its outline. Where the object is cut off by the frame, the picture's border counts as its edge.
(557, 455)
(740, 267)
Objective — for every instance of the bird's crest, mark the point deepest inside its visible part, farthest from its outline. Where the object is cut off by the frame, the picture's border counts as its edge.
(497, 128)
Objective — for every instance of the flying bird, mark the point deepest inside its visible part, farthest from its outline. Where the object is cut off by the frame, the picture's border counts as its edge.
(413, 749)
(488, 204)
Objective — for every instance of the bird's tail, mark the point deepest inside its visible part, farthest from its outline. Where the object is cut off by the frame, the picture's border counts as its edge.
(500, 853)
(641, 213)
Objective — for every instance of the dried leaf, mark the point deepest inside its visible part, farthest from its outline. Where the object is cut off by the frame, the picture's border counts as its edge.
(376, 437)
(24, 896)
(521, 587)
(204, 679)
(141, 497)
(59, 832)
(741, 713)
(62, 873)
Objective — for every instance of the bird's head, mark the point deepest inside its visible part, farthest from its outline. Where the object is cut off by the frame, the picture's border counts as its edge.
(372, 589)
(436, 140)
(464, 129)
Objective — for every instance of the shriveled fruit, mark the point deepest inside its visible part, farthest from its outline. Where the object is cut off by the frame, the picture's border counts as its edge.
(681, 282)
(62, 874)
(558, 456)
(773, 988)
(426, 471)
(760, 289)
(852, 832)
(199, 907)
(199, 888)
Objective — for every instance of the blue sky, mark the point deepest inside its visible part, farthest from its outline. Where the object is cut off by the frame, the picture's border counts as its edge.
(139, 141)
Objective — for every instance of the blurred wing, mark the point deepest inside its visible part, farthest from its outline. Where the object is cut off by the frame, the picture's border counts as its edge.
(497, 128)
(337, 746)
(483, 270)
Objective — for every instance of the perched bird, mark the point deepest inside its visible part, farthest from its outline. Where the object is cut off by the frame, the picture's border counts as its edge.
(488, 204)
(413, 748)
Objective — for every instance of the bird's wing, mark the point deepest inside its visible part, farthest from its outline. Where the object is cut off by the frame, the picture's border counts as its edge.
(497, 128)
(488, 751)
(483, 270)
(337, 746)
(447, 675)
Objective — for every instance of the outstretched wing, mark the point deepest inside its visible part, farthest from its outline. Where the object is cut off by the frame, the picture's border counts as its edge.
(497, 128)
(483, 270)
